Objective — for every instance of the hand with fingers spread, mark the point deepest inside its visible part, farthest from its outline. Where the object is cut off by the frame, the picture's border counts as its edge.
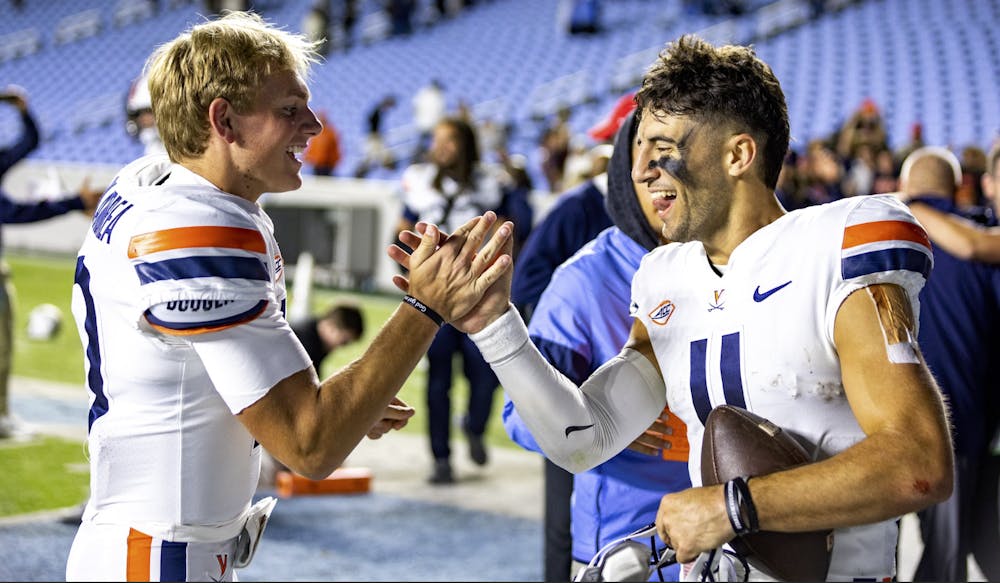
(451, 274)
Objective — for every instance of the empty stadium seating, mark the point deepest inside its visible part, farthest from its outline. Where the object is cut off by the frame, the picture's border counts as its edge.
(924, 61)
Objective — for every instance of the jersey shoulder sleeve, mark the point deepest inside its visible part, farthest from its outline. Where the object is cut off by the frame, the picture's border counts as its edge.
(646, 300)
(192, 249)
(882, 242)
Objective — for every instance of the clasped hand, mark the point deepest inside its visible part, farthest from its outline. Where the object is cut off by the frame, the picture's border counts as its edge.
(458, 277)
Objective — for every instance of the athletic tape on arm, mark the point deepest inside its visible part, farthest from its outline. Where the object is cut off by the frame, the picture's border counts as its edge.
(577, 427)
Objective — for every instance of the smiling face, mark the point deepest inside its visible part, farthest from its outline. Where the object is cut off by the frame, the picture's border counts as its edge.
(271, 137)
(645, 198)
(680, 163)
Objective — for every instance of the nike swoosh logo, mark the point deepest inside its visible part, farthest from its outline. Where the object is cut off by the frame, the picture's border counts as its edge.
(760, 297)
(573, 428)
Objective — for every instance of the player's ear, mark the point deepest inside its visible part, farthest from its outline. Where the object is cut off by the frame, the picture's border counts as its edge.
(220, 119)
(741, 151)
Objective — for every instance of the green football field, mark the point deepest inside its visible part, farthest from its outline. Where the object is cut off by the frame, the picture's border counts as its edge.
(47, 473)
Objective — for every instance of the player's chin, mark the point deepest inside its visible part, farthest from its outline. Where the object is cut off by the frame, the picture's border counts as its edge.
(287, 182)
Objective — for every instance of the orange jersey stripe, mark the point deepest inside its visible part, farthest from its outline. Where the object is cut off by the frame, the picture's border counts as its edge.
(884, 231)
(137, 559)
(183, 237)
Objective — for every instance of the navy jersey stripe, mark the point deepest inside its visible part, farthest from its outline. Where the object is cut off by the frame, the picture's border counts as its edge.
(173, 561)
(732, 376)
(699, 379)
(203, 266)
(95, 382)
(892, 259)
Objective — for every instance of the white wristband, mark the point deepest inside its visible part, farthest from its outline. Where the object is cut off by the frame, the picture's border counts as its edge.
(503, 337)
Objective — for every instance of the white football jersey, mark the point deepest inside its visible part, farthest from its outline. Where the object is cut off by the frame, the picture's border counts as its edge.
(761, 335)
(179, 302)
(452, 208)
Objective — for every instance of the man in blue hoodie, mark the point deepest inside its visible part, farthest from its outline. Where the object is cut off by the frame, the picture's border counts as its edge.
(580, 322)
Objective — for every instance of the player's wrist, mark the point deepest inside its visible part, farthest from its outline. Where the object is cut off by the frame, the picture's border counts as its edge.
(740, 508)
(501, 337)
(424, 309)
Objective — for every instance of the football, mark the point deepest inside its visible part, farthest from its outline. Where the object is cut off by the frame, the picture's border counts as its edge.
(740, 443)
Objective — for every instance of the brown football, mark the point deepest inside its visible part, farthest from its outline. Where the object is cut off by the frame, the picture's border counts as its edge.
(740, 443)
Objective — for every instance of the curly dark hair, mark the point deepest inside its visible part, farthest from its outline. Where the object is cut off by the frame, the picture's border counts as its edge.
(721, 85)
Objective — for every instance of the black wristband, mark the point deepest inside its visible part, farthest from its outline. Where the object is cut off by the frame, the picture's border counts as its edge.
(423, 309)
(739, 503)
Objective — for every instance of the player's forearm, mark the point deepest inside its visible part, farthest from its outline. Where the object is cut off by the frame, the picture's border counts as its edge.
(576, 427)
(354, 398)
(986, 244)
(885, 476)
(946, 231)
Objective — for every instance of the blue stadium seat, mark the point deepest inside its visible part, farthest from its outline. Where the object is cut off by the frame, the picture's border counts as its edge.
(938, 63)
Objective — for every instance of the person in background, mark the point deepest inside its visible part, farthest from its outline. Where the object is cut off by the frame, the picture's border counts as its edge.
(963, 238)
(376, 152)
(348, 18)
(915, 139)
(970, 192)
(400, 13)
(820, 173)
(959, 335)
(516, 204)
(886, 173)
(429, 107)
(16, 211)
(139, 120)
(323, 151)
(576, 218)
(554, 147)
(966, 240)
(864, 126)
(340, 325)
(316, 26)
(577, 326)
(448, 190)
(789, 189)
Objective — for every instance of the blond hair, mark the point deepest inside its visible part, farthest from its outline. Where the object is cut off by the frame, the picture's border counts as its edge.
(229, 57)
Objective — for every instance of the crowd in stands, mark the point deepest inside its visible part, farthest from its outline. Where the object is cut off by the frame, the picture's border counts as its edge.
(858, 159)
